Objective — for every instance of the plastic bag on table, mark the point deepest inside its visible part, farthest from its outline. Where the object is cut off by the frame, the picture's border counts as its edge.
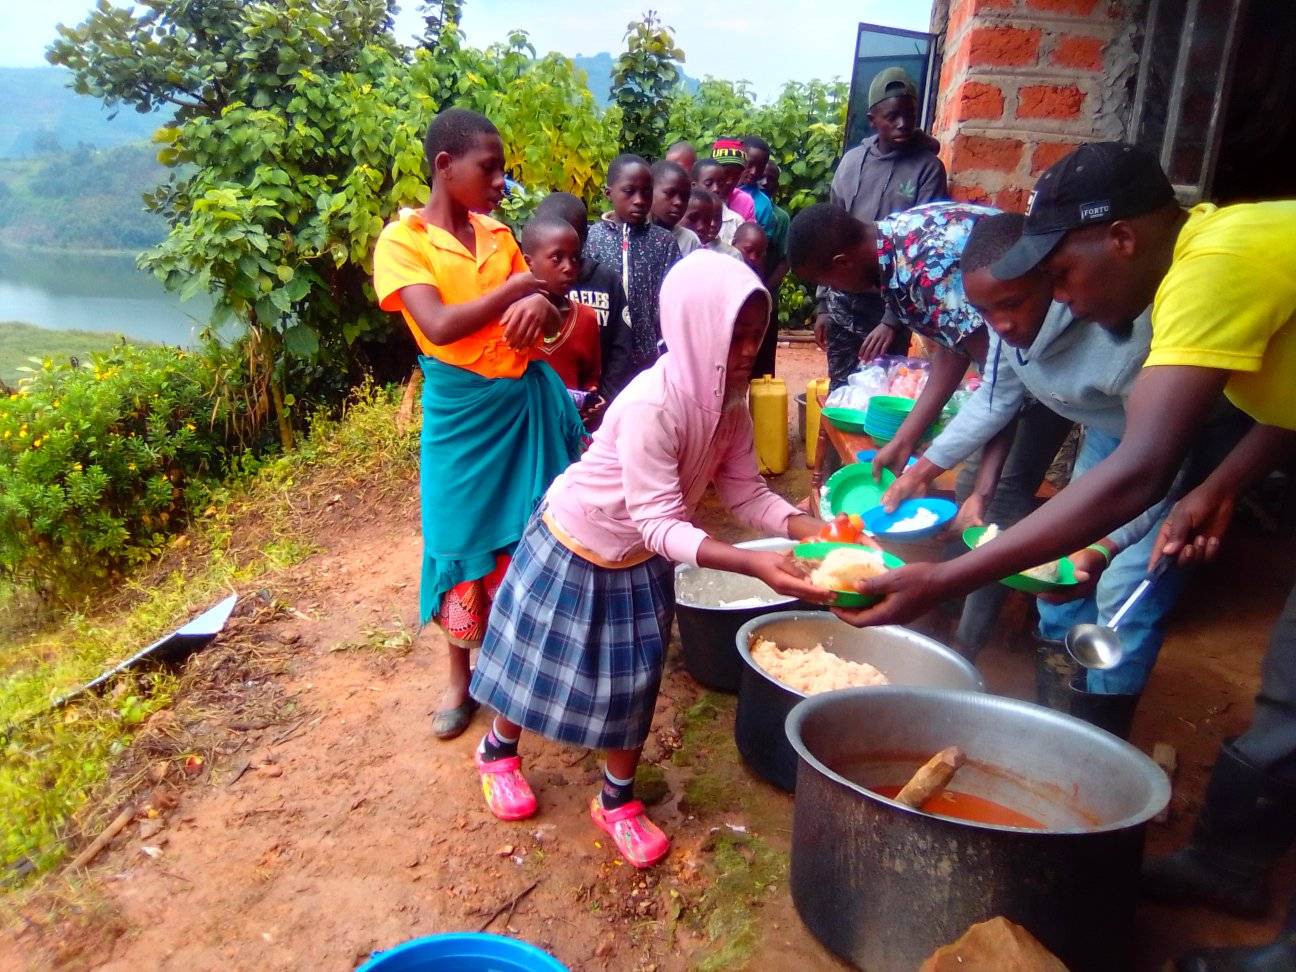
(848, 396)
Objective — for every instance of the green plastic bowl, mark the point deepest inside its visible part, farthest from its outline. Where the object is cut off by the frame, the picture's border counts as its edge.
(892, 404)
(1020, 582)
(852, 489)
(818, 549)
(846, 419)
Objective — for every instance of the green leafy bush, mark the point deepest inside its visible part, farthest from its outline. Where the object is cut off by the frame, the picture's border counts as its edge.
(99, 463)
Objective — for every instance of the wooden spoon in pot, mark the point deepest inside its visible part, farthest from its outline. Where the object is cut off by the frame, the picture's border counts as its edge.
(932, 777)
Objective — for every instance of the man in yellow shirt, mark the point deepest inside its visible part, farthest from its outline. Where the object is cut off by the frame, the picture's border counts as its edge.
(1103, 222)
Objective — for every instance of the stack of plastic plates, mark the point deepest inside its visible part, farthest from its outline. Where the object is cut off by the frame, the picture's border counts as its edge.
(885, 415)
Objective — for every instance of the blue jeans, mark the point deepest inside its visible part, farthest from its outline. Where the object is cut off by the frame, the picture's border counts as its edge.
(1143, 629)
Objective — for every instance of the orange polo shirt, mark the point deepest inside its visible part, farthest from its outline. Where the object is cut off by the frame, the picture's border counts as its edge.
(411, 251)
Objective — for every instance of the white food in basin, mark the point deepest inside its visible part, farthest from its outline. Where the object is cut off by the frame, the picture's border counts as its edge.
(920, 519)
(844, 567)
(813, 670)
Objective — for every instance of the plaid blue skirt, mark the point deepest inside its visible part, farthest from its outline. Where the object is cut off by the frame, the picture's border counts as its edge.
(574, 652)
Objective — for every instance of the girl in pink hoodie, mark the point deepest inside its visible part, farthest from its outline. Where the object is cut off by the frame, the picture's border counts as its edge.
(578, 634)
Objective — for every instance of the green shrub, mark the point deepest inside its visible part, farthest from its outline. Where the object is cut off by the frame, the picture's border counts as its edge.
(99, 463)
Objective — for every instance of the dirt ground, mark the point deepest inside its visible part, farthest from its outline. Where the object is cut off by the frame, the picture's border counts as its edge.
(308, 840)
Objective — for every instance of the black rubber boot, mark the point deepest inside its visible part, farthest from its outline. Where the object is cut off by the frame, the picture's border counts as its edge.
(1055, 671)
(1115, 713)
(1060, 685)
(1245, 825)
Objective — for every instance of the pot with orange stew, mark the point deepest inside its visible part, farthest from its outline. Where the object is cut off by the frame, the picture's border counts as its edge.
(1043, 824)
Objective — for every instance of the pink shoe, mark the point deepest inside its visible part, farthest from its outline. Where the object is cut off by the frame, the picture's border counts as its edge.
(639, 840)
(507, 793)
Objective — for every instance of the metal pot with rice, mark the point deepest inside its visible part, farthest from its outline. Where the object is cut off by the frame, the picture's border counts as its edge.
(900, 656)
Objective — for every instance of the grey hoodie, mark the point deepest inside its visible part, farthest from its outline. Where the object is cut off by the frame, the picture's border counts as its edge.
(871, 184)
(1075, 368)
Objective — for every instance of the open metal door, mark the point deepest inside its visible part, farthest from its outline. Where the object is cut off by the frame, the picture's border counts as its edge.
(877, 48)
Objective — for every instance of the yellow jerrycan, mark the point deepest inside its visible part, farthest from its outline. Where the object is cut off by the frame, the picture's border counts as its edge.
(769, 411)
(814, 388)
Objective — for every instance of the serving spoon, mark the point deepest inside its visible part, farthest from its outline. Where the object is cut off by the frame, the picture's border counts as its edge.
(1098, 646)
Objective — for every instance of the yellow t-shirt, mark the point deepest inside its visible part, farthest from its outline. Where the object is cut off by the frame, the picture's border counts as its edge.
(411, 251)
(1229, 302)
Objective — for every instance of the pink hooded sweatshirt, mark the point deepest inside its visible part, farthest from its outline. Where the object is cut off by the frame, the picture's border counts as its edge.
(667, 436)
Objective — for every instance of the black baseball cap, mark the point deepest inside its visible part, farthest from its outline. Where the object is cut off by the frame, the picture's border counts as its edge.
(1099, 182)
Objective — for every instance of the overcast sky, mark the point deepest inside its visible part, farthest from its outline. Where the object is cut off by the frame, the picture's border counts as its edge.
(764, 41)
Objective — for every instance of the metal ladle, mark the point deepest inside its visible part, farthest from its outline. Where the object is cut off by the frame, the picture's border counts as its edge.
(1097, 646)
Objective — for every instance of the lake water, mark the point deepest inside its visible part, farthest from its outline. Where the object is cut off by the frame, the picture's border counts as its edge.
(77, 291)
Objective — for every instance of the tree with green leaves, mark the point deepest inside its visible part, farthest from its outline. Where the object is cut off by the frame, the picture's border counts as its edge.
(298, 135)
(437, 16)
(645, 77)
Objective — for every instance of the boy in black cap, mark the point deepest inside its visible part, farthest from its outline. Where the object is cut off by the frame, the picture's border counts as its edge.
(890, 171)
(1103, 222)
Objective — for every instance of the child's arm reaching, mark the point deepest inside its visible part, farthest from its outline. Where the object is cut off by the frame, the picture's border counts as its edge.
(741, 488)
(778, 570)
(655, 501)
(517, 303)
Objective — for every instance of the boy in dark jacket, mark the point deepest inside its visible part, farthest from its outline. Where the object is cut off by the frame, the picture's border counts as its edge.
(891, 171)
(600, 288)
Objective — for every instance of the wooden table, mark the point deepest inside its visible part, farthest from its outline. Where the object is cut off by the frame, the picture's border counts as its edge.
(849, 444)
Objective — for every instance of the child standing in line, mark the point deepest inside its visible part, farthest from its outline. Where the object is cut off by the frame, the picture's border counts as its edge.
(496, 428)
(703, 217)
(578, 636)
(671, 188)
(598, 287)
(777, 251)
(731, 155)
(710, 175)
(553, 252)
(751, 243)
(626, 242)
(753, 178)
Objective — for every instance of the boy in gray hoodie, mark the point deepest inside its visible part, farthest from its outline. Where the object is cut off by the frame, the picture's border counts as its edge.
(1084, 373)
(890, 171)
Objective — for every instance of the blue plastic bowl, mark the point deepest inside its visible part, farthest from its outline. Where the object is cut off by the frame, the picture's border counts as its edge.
(868, 455)
(463, 952)
(880, 523)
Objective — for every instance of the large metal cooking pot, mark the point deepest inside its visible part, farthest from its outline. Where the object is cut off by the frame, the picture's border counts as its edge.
(884, 886)
(904, 656)
(707, 627)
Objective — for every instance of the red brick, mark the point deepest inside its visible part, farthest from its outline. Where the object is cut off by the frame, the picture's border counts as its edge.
(968, 192)
(1075, 51)
(1012, 199)
(1080, 8)
(976, 99)
(1046, 153)
(1049, 101)
(981, 152)
(1003, 46)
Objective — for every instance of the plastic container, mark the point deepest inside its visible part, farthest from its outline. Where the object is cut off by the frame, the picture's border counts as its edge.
(769, 411)
(815, 388)
(818, 549)
(463, 952)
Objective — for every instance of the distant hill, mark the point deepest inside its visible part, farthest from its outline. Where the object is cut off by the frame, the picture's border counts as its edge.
(42, 113)
(598, 72)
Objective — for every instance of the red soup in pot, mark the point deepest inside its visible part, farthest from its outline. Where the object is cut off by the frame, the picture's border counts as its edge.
(965, 806)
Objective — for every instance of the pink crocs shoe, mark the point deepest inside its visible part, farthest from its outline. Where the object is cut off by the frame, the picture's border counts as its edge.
(507, 793)
(639, 840)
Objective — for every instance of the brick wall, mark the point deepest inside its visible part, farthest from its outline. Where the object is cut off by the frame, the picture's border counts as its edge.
(1022, 82)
